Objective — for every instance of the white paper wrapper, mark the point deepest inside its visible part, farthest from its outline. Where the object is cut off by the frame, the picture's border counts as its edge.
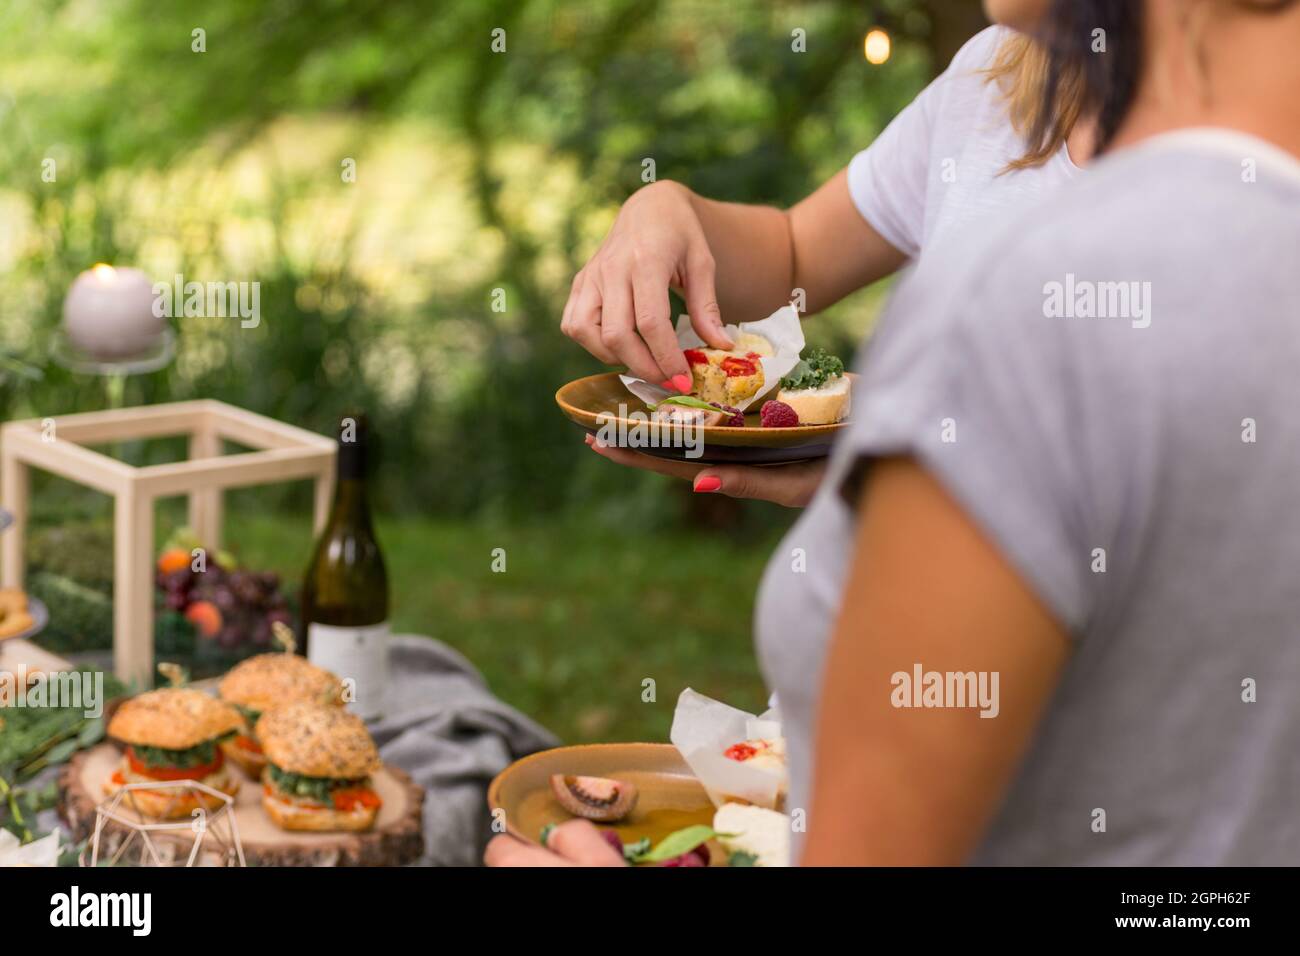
(42, 852)
(703, 729)
(782, 328)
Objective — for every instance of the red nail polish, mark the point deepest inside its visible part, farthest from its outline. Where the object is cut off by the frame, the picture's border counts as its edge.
(589, 438)
(682, 383)
(708, 483)
(667, 383)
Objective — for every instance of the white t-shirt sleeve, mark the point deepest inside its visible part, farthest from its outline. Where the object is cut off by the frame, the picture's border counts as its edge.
(888, 180)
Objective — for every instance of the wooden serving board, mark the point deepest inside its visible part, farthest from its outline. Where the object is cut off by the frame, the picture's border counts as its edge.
(396, 839)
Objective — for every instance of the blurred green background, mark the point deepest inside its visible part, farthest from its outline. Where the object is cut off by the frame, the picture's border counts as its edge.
(474, 171)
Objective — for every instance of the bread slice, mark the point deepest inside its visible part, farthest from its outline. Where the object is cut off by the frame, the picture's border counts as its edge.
(819, 406)
(762, 834)
(288, 815)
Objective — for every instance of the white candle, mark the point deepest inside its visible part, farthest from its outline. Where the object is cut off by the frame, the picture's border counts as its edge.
(109, 313)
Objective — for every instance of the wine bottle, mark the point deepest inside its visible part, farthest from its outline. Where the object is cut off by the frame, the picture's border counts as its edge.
(345, 590)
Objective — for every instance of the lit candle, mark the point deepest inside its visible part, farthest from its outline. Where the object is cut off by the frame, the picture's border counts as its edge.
(109, 313)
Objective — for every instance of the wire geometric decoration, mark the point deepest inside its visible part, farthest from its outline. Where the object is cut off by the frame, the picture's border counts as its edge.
(162, 843)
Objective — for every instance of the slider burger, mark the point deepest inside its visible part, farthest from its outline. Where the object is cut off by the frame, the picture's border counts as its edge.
(259, 683)
(173, 734)
(319, 762)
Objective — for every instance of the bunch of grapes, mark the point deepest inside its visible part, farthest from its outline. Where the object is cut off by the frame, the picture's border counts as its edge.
(229, 606)
(249, 602)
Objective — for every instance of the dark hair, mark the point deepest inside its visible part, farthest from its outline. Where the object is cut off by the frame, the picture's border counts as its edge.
(1109, 79)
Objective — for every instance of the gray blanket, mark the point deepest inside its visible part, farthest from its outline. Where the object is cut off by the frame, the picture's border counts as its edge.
(447, 731)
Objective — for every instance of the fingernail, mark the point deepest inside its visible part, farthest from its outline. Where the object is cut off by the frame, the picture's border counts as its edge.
(666, 383)
(682, 383)
(707, 483)
(589, 439)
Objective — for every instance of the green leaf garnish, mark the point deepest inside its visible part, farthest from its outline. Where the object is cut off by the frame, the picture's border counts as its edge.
(689, 401)
(679, 842)
(741, 858)
(814, 371)
(633, 852)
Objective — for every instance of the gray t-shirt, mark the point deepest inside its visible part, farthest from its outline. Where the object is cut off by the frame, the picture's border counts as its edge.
(1164, 429)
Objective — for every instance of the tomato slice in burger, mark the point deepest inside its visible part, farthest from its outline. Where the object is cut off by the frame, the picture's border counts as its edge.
(695, 357)
(244, 742)
(173, 773)
(354, 797)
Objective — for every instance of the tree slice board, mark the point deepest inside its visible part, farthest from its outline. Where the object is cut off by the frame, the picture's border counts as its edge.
(396, 839)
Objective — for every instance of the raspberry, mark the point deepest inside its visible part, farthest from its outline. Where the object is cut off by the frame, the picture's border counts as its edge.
(776, 414)
(737, 419)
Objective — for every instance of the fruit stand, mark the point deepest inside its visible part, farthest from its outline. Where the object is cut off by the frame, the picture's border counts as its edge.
(59, 445)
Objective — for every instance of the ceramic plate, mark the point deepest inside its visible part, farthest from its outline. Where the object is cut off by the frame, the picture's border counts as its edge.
(584, 399)
(669, 799)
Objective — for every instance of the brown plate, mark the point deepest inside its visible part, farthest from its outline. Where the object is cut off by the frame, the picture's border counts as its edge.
(670, 797)
(584, 399)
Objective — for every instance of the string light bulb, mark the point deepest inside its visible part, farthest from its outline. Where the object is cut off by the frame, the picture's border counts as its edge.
(877, 46)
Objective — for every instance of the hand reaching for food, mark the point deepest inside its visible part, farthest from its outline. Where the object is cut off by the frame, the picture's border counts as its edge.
(573, 843)
(790, 485)
(618, 307)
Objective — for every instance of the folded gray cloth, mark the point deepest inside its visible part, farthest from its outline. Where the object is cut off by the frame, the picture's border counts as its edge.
(445, 729)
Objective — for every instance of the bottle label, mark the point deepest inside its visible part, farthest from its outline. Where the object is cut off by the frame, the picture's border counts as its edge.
(359, 656)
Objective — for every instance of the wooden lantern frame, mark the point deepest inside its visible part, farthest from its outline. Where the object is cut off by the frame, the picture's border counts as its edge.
(282, 453)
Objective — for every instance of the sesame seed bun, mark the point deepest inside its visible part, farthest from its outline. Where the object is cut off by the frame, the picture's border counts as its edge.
(317, 741)
(174, 718)
(269, 680)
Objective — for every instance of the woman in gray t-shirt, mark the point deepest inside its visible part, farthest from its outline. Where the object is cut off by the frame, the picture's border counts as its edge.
(1045, 608)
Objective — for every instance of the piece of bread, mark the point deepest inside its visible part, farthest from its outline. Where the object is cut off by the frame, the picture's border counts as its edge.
(317, 741)
(714, 381)
(173, 718)
(251, 762)
(289, 815)
(170, 803)
(763, 834)
(819, 406)
(747, 342)
(271, 680)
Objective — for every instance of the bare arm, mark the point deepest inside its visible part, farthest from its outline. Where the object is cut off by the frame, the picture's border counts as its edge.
(822, 245)
(726, 259)
(912, 786)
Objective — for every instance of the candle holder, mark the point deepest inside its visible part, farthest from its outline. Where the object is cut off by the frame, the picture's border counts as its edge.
(115, 371)
(120, 824)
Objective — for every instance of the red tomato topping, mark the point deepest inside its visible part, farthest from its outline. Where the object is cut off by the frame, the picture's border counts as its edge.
(354, 797)
(119, 778)
(753, 356)
(173, 773)
(740, 751)
(244, 742)
(734, 366)
(696, 357)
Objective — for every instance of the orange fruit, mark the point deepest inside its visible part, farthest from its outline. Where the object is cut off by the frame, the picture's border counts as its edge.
(173, 559)
(205, 616)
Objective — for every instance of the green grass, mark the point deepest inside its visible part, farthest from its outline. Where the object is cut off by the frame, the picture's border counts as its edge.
(578, 620)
